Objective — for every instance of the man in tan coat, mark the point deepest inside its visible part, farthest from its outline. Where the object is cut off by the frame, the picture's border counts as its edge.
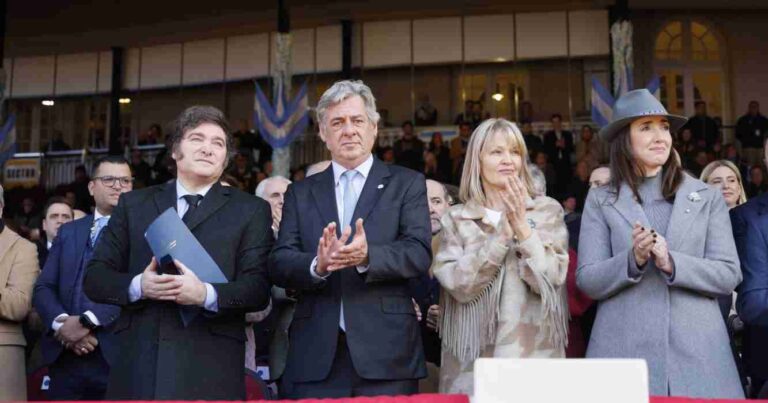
(18, 272)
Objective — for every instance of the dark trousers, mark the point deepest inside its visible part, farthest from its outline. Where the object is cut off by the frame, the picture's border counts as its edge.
(343, 381)
(76, 377)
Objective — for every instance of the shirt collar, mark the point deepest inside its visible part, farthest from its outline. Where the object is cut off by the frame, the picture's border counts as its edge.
(364, 169)
(97, 215)
(181, 191)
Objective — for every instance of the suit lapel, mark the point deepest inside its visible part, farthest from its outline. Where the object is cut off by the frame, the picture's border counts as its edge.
(82, 235)
(7, 239)
(324, 192)
(374, 186)
(684, 211)
(212, 202)
(628, 207)
(763, 204)
(165, 198)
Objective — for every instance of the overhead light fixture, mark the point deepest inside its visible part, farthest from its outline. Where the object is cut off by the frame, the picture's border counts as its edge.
(48, 102)
(497, 96)
(124, 100)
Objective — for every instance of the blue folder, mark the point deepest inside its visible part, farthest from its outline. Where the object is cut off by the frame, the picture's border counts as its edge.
(169, 236)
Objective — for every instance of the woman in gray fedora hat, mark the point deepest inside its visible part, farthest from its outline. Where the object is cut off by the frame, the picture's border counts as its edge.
(655, 250)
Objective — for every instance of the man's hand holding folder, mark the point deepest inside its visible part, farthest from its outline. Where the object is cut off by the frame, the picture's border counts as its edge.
(184, 288)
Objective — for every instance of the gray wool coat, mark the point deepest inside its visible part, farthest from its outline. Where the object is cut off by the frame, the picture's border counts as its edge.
(673, 322)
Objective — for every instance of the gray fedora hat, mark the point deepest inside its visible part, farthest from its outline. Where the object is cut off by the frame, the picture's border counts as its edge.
(635, 104)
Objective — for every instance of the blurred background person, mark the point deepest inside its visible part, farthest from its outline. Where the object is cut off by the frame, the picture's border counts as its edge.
(442, 156)
(751, 130)
(725, 176)
(409, 149)
(142, 171)
(589, 148)
(425, 290)
(757, 184)
(558, 144)
(273, 191)
(600, 176)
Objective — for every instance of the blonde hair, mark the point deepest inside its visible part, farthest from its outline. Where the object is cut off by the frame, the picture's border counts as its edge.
(471, 187)
(707, 172)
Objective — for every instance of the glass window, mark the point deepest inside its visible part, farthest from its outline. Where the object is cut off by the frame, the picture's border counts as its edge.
(669, 43)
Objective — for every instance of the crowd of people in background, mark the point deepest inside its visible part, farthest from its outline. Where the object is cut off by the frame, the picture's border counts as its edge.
(546, 210)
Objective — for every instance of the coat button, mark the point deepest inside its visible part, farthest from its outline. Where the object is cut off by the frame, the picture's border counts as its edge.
(518, 254)
(687, 211)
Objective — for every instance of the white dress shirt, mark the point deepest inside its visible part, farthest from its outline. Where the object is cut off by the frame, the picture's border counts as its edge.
(358, 182)
(211, 297)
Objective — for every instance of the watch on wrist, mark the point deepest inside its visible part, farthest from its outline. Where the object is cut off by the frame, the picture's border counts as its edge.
(87, 323)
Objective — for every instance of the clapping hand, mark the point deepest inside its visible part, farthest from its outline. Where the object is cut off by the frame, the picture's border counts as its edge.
(327, 245)
(660, 252)
(354, 254)
(643, 241)
(514, 204)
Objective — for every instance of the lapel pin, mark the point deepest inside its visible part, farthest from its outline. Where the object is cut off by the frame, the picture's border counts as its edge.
(381, 186)
(694, 197)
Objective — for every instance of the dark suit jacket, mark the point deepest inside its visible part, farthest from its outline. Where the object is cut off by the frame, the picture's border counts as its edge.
(160, 359)
(42, 250)
(381, 327)
(550, 147)
(750, 231)
(56, 284)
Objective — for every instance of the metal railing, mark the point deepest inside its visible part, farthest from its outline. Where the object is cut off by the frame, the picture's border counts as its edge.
(58, 167)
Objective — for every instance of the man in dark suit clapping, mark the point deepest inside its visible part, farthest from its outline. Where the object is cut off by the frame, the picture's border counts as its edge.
(160, 358)
(350, 239)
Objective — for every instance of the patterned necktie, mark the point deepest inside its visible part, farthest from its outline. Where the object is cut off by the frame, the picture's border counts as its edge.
(98, 225)
(350, 197)
(192, 201)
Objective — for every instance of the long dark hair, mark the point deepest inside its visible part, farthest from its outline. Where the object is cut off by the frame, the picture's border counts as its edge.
(624, 168)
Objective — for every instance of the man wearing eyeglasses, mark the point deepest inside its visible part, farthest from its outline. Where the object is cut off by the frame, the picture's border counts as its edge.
(76, 347)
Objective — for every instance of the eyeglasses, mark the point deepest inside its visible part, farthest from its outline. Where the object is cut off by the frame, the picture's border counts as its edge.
(109, 181)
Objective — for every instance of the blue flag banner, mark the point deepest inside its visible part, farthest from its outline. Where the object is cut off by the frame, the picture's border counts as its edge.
(602, 104)
(654, 86)
(8, 139)
(281, 122)
(602, 100)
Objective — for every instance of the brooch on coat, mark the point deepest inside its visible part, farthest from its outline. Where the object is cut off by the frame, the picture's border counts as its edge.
(531, 223)
(694, 197)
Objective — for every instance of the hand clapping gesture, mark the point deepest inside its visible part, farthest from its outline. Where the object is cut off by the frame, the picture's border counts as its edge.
(643, 240)
(647, 243)
(333, 253)
(514, 203)
(660, 252)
